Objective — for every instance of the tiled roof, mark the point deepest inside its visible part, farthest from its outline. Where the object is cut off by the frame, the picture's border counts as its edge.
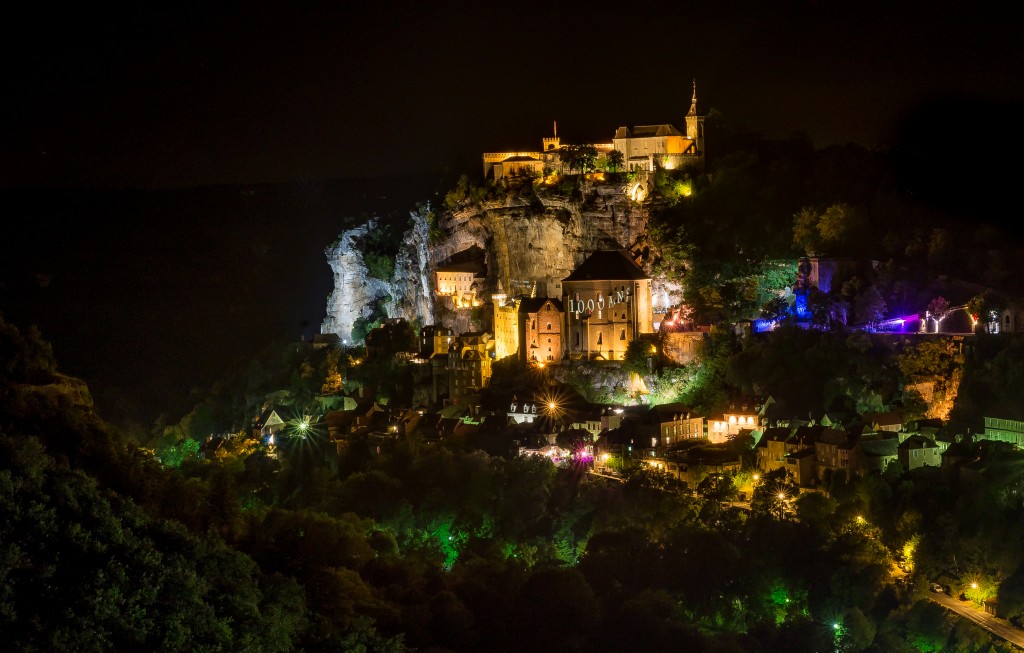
(534, 304)
(513, 159)
(918, 442)
(608, 265)
(644, 131)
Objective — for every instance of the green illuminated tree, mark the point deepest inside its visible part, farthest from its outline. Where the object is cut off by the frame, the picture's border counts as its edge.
(830, 231)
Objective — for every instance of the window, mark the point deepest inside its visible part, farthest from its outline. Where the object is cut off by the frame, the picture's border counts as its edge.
(549, 328)
(599, 338)
(622, 335)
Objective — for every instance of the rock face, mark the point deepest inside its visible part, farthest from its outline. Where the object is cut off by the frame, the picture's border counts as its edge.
(355, 293)
(530, 239)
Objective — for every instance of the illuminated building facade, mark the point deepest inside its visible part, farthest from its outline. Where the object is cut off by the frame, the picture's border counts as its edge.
(676, 423)
(506, 324)
(540, 326)
(1003, 429)
(607, 303)
(460, 282)
(726, 426)
(469, 364)
(529, 163)
(644, 146)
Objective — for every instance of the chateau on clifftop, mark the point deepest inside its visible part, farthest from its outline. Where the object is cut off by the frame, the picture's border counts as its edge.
(642, 147)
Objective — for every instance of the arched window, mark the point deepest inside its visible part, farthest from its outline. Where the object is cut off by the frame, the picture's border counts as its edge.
(549, 326)
(599, 338)
(622, 335)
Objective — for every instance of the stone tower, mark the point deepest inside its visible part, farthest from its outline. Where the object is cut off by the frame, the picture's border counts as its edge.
(552, 143)
(695, 123)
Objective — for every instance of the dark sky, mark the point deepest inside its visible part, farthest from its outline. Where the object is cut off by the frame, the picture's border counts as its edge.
(168, 94)
(147, 295)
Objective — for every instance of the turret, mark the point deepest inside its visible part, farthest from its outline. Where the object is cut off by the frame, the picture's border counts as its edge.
(552, 143)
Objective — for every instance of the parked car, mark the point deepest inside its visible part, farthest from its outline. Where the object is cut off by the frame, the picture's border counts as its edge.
(937, 588)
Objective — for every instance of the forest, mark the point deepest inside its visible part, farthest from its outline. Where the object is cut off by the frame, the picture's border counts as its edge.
(438, 546)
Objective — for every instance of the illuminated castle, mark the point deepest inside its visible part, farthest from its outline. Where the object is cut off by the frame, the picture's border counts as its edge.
(642, 147)
(510, 164)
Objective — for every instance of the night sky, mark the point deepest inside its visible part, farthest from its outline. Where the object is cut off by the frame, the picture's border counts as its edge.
(293, 104)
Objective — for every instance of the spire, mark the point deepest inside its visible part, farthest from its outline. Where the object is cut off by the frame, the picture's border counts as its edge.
(556, 125)
(693, 102)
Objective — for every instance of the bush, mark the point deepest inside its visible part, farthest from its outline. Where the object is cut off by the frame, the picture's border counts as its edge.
(379, 266)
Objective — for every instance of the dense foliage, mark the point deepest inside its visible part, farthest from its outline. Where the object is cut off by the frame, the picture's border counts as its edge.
(440, 547)
(764, 201)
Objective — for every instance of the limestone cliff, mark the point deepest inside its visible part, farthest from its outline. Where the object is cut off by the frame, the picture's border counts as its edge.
(356, 293)
(530, 238)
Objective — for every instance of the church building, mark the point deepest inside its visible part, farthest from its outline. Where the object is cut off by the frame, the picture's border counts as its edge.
(607, 303)
(645, 146)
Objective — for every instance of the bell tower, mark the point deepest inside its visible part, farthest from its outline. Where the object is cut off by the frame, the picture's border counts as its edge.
(695, 123)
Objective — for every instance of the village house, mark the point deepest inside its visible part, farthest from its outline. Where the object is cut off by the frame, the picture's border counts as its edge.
(918, 451)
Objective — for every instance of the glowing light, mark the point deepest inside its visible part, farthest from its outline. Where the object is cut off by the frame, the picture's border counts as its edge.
(860, 519)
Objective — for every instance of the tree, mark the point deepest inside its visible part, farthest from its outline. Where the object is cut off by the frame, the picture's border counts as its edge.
(985, 309)
(869, 305)
(332, 376)
(615, 160)
(578, 157)
(637, 357)
(839, 227)
(773, 497)
(938, 309)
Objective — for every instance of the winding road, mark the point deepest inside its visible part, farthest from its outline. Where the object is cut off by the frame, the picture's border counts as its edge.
(995, 625)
